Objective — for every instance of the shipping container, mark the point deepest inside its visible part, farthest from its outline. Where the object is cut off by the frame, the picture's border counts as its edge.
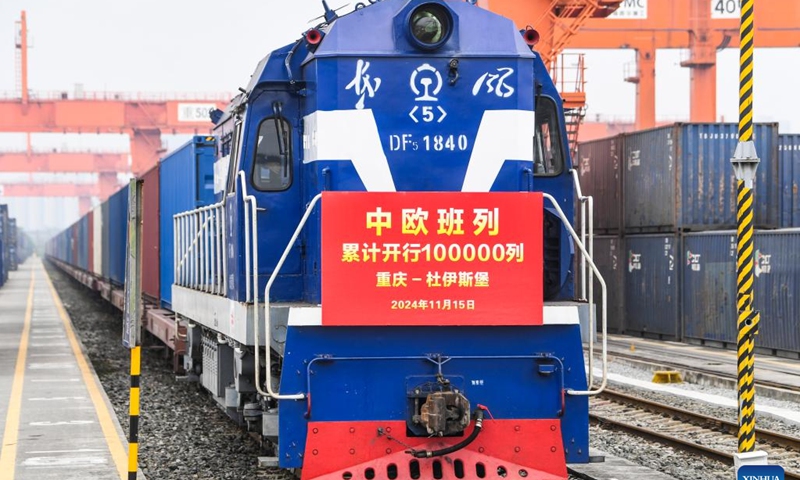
(609, 257)
(709, 288)
(90, 241)
(150, 238)
(3, 259)
(82, 230)
(106, 250)
(789, 159)
(601, 177)
(186, 183)
(117, 235)
(680, 178)
(97, 240)
(652, 280)
(776, 294)
(11, 247)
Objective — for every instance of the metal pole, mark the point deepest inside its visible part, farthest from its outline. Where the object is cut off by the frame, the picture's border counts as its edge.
(745, 163)
(132, 316)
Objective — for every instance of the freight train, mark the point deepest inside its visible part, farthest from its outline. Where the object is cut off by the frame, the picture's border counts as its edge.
(374, 270)
(15, 245)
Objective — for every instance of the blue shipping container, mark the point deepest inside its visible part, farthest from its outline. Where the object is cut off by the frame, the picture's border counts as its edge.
(680, 178)
(776, 296)
(601, 172)
(105, 252)
(709, 287)
(652, 279)
(609, 257)
(789, 158)
(117, 235)
(186, 182)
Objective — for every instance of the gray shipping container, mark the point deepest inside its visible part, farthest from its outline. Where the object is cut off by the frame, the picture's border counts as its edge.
(709, 287)
(680, 178)
(652, 280)
(601, 177)
(789, 159)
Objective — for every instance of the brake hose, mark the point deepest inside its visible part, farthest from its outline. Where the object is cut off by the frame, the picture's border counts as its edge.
(453, 448)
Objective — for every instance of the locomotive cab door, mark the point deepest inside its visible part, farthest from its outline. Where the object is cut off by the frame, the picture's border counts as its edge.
(267, 156)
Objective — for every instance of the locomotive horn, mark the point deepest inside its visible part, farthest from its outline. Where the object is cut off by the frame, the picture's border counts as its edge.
(314, 37)
(530, 36)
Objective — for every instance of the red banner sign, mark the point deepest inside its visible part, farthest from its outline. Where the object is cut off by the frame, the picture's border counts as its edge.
(431, 258)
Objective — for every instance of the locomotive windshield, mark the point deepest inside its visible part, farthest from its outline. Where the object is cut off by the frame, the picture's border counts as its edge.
(548, 154)
(272, 169)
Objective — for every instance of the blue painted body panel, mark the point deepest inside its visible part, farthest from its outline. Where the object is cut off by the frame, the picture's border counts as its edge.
(365, 389)
(117, 235)
(789, 158)
(186, 180)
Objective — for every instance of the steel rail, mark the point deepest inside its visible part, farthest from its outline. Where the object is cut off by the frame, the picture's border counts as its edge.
(714, 424)
(770, 437)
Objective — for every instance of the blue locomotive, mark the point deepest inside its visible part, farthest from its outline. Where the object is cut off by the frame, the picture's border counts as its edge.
(396, 101)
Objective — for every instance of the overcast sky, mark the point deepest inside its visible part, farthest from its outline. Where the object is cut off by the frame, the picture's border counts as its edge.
(213, 46)
(205, 45)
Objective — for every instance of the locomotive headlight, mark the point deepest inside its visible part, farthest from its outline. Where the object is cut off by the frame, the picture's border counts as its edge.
(430, 25)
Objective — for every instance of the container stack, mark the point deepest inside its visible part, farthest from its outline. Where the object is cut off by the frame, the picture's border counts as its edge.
(665, 219)
(8, 244)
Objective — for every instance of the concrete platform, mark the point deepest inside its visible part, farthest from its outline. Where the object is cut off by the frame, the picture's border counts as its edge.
(776, 377)
(613, 468)
(55, 419)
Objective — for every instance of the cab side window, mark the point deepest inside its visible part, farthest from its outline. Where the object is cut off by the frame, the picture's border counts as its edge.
(548, 154)
(272, 168)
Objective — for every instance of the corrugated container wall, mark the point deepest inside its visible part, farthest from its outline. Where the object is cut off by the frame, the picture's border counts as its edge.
(187, 182)
(609, 256)
(680, 178)
(776, 295)
(709, 287)
(82, 230)
(150, 237)
(652, 280)
(117, 235)
(97, 240)
(90, 241)
(789, 155)
(106, 250)
(601, 177)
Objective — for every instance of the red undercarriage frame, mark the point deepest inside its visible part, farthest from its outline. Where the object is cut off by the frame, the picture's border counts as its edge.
(511, 449)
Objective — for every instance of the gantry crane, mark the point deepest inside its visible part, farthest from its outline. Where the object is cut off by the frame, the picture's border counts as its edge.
(557, 22)
(701, 26)
(142, 116)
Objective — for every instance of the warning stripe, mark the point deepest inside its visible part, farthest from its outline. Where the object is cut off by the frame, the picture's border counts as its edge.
(133, 441)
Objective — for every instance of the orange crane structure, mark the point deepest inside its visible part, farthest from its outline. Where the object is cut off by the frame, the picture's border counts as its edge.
(144, 117)
(701, 26)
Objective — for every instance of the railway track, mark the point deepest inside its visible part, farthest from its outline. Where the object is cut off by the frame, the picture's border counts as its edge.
(696, 433)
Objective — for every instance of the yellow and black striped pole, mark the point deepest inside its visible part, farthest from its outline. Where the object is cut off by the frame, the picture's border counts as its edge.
(133, 439)
(745, 162)
(132, 316)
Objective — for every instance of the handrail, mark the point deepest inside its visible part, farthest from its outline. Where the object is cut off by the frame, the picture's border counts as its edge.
(252, 229)
(268, 333)
(587, 202)
(565, 221)
(199, 249)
